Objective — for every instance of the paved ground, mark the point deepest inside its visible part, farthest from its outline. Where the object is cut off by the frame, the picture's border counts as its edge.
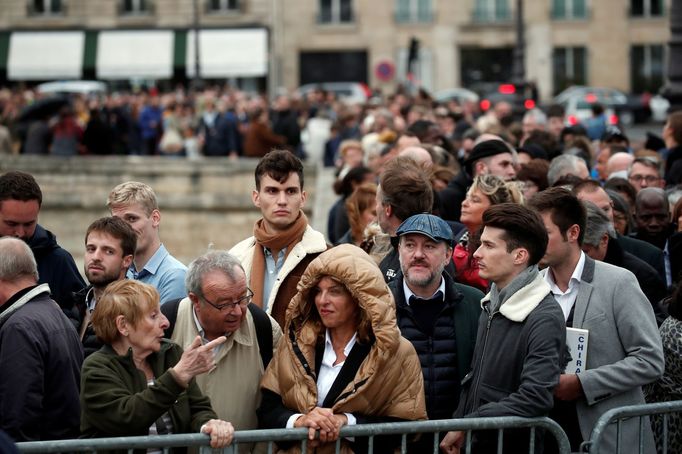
(637, 133)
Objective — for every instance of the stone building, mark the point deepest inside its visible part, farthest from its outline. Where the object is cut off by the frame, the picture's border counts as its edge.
(262, 44)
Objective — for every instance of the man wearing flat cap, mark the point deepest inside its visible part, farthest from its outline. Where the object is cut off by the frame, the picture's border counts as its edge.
(492, 156)
(439, 316)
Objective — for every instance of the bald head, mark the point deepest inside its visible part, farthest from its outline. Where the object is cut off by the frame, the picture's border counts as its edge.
(651, 197)
(619, 162)
(418, 154)
(651, 212)
(18, 268)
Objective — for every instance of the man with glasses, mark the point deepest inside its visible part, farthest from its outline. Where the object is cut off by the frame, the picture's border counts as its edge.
(218, 304)
(645, 173)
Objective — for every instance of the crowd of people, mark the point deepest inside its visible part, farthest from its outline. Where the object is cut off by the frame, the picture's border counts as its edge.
(462, 250)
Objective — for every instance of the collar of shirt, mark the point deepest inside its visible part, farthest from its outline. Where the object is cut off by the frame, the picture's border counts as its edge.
(409, 293)
(280, 256)
(329, 355)
(240, 336)
(152, 266)
(567, 299)
(328, 370)
(90, 300)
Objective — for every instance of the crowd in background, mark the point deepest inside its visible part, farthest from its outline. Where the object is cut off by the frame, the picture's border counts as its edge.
(627, 200)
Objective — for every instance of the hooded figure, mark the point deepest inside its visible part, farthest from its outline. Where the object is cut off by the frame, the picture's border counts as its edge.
(380, 379)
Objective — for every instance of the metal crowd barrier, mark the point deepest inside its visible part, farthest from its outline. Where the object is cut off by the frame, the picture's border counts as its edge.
(620, 414)
(165, 442)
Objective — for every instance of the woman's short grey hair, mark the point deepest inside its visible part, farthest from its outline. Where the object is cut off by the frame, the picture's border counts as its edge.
(597, 223)
(211, 261)
(16, 260)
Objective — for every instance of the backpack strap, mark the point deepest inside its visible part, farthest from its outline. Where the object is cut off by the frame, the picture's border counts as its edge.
(170, 310)
(263, 333)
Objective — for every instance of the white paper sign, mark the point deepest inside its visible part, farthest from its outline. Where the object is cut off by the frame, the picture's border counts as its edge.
(576, 341)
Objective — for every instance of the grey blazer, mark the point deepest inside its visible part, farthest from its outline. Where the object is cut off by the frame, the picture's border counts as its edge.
(623, 354)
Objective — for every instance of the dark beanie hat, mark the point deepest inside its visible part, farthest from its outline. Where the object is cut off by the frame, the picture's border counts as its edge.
(485, 149)
(534, 150)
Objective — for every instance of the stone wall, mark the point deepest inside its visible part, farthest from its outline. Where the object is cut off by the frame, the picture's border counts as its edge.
(204, 202)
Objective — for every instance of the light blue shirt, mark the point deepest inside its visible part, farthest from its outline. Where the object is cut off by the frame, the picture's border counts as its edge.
(164, 272)
(272, 270)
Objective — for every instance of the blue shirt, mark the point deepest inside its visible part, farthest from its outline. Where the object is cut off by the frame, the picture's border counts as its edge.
(164, 272)
(272, 270)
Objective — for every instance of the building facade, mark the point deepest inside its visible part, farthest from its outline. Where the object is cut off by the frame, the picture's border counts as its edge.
(286, 43)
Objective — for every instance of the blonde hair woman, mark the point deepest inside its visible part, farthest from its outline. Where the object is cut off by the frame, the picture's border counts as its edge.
(485, 191)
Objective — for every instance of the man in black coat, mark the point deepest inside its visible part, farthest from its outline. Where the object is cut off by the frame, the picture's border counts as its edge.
(110, 245)
(40, 354)
(591, 191)
(600, 244)
(20, 201)
(438, 316)
(493, 157)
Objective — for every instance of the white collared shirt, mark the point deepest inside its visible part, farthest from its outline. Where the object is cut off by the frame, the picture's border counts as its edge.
(409, 293)
(202, 333)
(567, 299)
(328, 374)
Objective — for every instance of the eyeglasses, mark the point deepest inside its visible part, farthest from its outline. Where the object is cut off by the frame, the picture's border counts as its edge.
(241, 302)
(650, 179)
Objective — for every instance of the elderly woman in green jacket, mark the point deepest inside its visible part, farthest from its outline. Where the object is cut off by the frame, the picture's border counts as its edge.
(140, 383)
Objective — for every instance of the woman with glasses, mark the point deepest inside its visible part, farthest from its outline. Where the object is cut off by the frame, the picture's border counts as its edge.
(342, 360)
(140, 383)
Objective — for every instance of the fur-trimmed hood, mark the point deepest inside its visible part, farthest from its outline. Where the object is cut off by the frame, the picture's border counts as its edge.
(355, 269)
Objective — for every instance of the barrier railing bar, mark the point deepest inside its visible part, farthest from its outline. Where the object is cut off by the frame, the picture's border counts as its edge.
(469, 436)
(403, 444)
(436, 440)
(665, 433)
(500, 442)
(300, 434)
(642, 420)
(629, 411)
(531, 445)
(619, 434)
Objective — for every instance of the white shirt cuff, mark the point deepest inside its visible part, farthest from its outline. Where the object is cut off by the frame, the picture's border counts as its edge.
(351, 419)
(292, 419)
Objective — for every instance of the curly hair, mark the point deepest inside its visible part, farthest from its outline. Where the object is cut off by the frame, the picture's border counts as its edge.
(362, 198)
(497, 190)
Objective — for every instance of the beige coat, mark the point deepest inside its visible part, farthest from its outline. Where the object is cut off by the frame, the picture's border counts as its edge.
(388, 383)
(233, 385)
(284, 288)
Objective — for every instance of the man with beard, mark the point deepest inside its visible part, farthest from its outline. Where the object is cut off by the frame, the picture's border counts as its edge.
(439, 316)
(109, 247)
(20, 201)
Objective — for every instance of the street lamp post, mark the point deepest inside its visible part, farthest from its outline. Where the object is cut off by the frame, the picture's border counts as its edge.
(196, 80)
(673, 86)
(518, 68)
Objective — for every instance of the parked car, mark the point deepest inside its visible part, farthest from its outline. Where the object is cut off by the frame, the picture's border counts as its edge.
(460, 95)
(619, 107)
(521, 96)
(347, 92)
(83, 87)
